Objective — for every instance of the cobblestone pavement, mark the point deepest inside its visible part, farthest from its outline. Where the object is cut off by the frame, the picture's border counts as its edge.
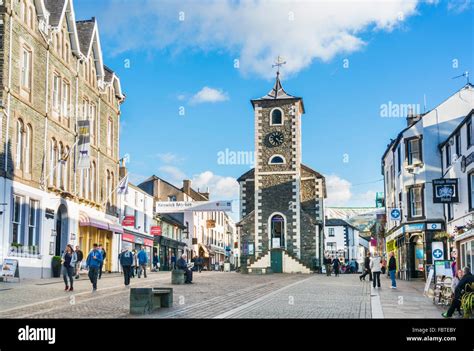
(214, 295)
(407, 301)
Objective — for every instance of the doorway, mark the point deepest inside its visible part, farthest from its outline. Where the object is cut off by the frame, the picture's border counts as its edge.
(276, 257)
(61, 230)
(277, 232)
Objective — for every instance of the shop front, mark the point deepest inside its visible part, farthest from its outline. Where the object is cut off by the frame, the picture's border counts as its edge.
(169, 252)
(411, 245)
(96, 230)
(465, 249)
(136, 241)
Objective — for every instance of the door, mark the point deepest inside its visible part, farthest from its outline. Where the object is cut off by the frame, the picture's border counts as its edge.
(276, 257)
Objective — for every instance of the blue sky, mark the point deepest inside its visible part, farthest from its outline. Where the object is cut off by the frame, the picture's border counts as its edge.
(396, 53)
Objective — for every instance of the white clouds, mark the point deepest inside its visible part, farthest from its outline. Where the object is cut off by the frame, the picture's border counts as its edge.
(210, 95)
(173, 175)
(169, 157)
(459, 6)
(254, 31)
(221, 188)
(341, 194)
(338, 190)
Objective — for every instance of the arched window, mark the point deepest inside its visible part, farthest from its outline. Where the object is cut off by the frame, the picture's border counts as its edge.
(110, 135)
(28, 149)
(277, 160)
(93, 182)
(277, 231)
(276, 117)
(107, 188)
(20, 130)
(65, 184)
(52, 161)
(112, 187)
(59, 166)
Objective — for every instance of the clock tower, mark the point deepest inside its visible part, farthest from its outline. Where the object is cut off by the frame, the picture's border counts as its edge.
(281, 199)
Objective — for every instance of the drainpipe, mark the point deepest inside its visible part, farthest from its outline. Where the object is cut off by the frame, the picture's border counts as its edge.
(7, 134)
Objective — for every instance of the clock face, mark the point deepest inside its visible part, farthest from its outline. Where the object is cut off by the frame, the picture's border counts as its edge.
(276, 138)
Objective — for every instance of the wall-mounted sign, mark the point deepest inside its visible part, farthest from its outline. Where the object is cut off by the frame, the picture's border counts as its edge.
(128, 237)
(395, 214)
(49, 213)
(445, 191)
(466, 161)
(434, 226)
(443, 268)
(129, 221)
(195, 241)
(414, 227)
(156, 230)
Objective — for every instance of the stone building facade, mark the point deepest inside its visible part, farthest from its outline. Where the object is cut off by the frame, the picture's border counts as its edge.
(52, 75)
(282, 200)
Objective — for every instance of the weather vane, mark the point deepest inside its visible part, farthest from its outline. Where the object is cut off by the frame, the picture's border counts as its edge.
(279, 62)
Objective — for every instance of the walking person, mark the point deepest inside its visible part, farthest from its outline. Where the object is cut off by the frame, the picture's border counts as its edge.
(392, 269)
(376, 268)
(104, 256)
(156, 262)
(336, 265)
(366, 268)
(200, 261)
(126, 261)
(173, 261)
(383, 264)
(68, 262)
(142, 262)
(93, 263)
(80, 257)
(327, 265)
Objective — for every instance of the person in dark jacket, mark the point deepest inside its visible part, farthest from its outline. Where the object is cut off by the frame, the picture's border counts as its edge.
(366, 269)
(183, 265)
(155, 261)
(126, 261)
(68, 260)
(93, 263)
(173, 261)
(467, 279)
(142, 262)
(392, 269)
(327, 265)
(80, 257)
(336, 265)
(104, 256)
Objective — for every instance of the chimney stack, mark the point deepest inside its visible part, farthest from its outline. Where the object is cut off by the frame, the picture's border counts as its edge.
(187, 187)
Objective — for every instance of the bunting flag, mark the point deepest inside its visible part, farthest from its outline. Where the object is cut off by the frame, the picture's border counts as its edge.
(122, 188)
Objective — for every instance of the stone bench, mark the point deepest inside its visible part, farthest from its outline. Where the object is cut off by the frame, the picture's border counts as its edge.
(178, 276)
(146, 300)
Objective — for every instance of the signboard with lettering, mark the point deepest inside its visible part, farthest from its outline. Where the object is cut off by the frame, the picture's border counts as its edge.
(395, 214)
(466, 161)
(129, 221)
(445, 191)
(156, 230)
(10, 268)
(196, 206)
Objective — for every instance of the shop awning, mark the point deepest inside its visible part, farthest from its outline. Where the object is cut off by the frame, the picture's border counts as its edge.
(90, 221)
(204, 248)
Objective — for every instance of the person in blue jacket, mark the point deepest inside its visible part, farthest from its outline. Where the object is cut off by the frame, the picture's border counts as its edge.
(93, 263)
(142, 262)
(126, 260)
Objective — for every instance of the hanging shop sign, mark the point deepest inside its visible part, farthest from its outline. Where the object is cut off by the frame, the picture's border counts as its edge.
(445, 191)
(156, 230)
(437, 250)
(395, 214)
(129, 221)
(49, 213)
(210, 224)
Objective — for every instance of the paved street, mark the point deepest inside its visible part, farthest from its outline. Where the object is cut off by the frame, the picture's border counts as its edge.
(222, 295)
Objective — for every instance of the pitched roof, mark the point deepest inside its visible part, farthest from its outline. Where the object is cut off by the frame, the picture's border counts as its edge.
(336, 222)
(55, 9)
(85, 30)
(277, 93)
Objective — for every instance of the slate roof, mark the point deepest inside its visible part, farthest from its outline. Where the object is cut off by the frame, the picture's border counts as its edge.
(85, 29)
(55, 9)
(336, 222)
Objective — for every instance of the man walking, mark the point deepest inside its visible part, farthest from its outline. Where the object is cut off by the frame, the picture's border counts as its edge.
(327, 264)
(336, 265)
(126, 260)
(376, 268)
(392, 269)
(80, 257)
(104, 254)
(366, 268)
(93, 263)
(142, 262)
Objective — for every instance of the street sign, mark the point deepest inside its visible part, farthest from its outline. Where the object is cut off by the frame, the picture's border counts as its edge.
(445, 191)
(196, 206)
(437, 250)
(395, 214)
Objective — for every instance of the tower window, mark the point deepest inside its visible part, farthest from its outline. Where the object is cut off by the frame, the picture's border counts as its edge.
(277, 160)
(276, 117)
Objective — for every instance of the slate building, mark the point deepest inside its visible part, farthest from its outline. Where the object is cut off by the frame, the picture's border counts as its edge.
(281, 200)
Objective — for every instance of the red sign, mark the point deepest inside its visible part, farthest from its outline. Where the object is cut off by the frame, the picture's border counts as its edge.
(148, 242)
(156, 231)
(128, 237)
(129, 221)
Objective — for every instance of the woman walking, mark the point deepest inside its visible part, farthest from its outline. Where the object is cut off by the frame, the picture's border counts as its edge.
(68, 261)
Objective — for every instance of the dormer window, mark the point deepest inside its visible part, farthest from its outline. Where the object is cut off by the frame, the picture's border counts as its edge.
(276, 117)
(277, 160)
